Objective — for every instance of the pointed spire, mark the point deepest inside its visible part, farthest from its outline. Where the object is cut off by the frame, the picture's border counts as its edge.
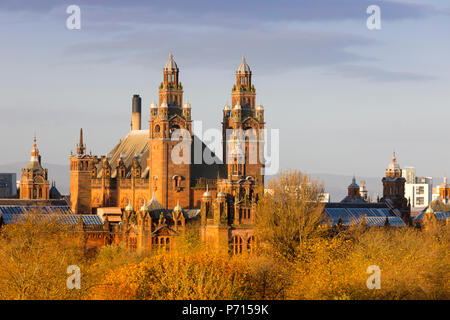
(177, 207)
(35, 150)
(81, 148)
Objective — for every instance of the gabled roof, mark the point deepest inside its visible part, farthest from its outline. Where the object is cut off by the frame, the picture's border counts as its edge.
(134, 144)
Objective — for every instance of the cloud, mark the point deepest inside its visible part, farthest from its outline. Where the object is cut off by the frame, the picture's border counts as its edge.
(378, 74)
(278, 50)
(230, 12)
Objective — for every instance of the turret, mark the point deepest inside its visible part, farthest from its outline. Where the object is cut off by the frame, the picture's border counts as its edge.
(260, 113)
(206, 209)
(82, 169)
(163, 111)
(353, 190)
(226, 111)
(187, 111)
(153, 111)
(237, 112)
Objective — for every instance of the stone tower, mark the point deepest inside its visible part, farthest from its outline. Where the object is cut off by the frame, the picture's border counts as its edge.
(353, 190)
(242, 130)
(170, 139)
(34, 183)
(394, 189)
(81, 170)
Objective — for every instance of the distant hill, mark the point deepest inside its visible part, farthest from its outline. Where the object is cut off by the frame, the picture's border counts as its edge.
(335, 184)
(56, 172)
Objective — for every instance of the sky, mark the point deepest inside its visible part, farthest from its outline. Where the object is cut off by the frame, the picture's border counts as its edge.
(343, 96)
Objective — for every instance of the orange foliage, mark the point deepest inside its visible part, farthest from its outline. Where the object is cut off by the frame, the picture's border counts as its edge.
(196, 275)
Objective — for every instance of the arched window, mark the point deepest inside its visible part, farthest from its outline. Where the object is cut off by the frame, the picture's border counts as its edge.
(132, 243)
(236, 245)
(251, 244)
(161, 243)
(157, 129)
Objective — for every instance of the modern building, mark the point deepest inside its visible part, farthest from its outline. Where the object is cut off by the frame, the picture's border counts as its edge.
(8, 186)
(442, 192)
(418, 190)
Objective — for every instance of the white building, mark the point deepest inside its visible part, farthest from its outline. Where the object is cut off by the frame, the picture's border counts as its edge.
(418, 190)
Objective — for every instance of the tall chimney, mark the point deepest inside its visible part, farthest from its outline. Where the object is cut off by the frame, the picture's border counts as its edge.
(136, 113)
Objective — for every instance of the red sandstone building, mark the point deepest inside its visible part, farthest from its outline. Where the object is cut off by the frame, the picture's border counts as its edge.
(138, 183)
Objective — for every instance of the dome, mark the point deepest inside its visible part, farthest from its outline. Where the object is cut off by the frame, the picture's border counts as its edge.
(187, 105)
(429, 209)
(353, 185)
(170, 64)
(221, 194)
(394, 166)
(177, 207)
(144, 208)
(129, 207)
(207, 194)
(153, 105)
(237, 106)
(244, 68)
(260, 107)
(227, 107)
(164, 105)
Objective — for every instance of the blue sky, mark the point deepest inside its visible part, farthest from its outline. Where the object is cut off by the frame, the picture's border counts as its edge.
(343, 97)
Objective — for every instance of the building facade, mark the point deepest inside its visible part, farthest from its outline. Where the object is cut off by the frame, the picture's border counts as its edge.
(418, 190)
(156, 166)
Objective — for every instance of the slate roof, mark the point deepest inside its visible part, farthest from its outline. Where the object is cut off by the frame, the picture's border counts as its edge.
(136, 143)
(439, 216)
(354, 213)
(71, 219)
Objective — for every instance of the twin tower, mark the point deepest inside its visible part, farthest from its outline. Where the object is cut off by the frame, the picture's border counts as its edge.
(140, 170)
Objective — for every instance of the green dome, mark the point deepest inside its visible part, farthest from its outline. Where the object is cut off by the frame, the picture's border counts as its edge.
(129, 207)
(144, 208)
(177, 207)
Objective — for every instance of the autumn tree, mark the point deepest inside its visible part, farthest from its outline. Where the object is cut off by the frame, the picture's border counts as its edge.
(35, 253)
(289, 213)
